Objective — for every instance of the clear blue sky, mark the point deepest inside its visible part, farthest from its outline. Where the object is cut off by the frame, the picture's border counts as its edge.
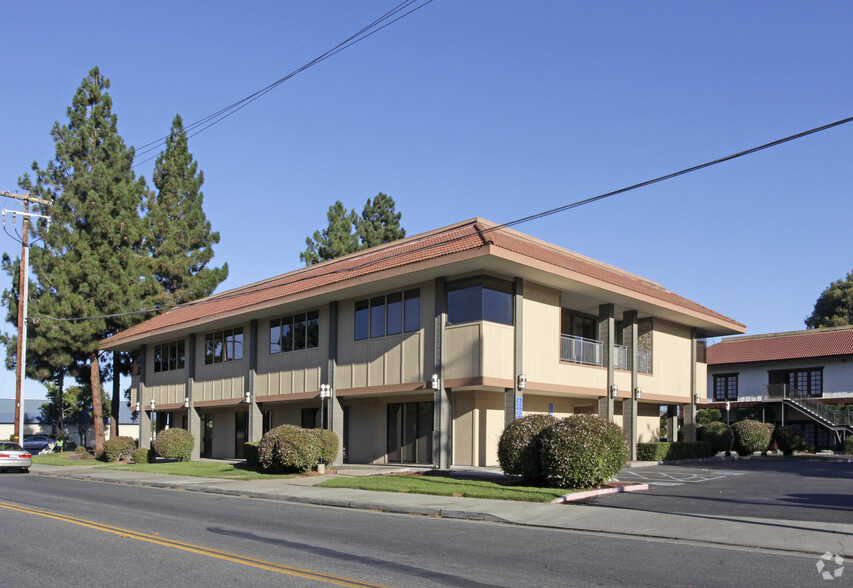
(491, 108)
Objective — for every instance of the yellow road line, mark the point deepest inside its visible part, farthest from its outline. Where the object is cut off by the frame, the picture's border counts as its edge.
(224, 555)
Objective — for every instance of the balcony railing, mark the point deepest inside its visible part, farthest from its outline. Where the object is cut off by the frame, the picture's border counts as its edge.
(591, 352)
(580, 350)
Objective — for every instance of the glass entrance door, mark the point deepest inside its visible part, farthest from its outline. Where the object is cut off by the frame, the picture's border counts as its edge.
(409, 432)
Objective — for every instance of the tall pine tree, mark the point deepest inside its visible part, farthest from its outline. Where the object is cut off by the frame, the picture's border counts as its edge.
(91, 262)
(180, 240)
(336, 240)
(347, 232)
(379, 222)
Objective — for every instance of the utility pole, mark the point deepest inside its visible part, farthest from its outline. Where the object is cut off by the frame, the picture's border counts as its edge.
(23, 298)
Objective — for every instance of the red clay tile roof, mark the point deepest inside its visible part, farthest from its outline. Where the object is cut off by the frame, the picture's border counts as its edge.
(465, 236)
(783, 346)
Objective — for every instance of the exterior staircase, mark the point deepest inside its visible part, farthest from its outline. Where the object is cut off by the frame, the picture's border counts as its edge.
(839, 421)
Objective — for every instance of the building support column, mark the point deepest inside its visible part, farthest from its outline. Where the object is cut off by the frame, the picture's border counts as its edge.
(672, 423)
(630, 405)
(514, 397)
(442, 440)
(606, 334)
(256, 417)
(193, 418)
(336, 409)
(691, 407)
(144, 403)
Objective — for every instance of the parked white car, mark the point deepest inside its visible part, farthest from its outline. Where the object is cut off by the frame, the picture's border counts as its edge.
(14, 457)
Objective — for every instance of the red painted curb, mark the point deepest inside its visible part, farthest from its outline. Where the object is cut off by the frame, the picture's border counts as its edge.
(600, 492)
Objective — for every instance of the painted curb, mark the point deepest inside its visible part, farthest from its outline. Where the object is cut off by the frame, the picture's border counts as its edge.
(600, 492)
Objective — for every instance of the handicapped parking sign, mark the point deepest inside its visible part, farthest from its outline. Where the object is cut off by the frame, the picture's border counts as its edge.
(519, 403)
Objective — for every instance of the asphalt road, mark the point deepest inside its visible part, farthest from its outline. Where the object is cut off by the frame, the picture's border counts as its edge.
(167, 536)
(772, 489)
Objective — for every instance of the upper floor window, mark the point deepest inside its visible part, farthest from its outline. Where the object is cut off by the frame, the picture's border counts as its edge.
(296, 332)
(725, 387)
(169, 356)
(223, 346)
(578, 325)
(390, 314)
(483, 299)
(808, 380)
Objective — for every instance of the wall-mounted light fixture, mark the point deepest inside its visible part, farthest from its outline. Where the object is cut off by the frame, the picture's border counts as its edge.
(614, 391)
(435, 382)
(186, 401)
(153, 405)
(696, 398)
(248, 397)
(521, 382)
(325, 391)
(638, 393)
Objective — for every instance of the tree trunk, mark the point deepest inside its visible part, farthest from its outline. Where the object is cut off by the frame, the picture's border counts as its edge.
(116, 403)
(97, 402)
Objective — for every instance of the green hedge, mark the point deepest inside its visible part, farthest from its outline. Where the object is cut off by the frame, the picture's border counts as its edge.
(328, 442)
(749, 437)
(789, 439)
(289, 449)
(143, 456)
(118, 448)
(663, 451)
(848, 445)
(718, 435)
(250, 450)
(174, 444)
(582, 451)
(519, 447)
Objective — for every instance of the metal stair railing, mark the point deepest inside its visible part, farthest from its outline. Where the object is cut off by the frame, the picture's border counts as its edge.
(810, 404)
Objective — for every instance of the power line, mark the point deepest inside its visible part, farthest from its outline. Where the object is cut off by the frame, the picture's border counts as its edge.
(525, 219)
(208, 121)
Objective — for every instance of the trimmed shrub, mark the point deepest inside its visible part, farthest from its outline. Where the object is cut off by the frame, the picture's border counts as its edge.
(288, 449)
(664, 451)
(718, 435)
(118, 448)
(80, 450)
(143, 456)
(708, 415)
(582, 451)
(519, 447)
(750, 436)
(848, 445)
(771, 445)
(789, 439)
(328, 442)
(174, 444)
(250, 450)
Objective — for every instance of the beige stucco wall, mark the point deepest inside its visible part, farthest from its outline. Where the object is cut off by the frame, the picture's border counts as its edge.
(542, 316)
(671, 357)
(478, 420)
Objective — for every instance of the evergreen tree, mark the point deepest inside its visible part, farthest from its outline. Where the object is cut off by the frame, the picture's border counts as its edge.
(336, 240)
(379, 223)
(91, 261)
(834, 307)
(181, 241)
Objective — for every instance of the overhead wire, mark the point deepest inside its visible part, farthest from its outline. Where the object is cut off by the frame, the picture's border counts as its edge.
(512, 223)
(210, 120)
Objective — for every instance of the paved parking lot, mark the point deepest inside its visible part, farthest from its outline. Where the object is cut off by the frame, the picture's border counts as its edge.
(771, 488)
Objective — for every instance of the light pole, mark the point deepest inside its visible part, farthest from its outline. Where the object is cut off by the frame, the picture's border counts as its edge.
(325, 392)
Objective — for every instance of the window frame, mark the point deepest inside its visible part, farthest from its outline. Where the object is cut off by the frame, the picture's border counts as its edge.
(170, 356)
(727, 393)
(482, 284)
(223, 346)
(303, 332)
(366, 323)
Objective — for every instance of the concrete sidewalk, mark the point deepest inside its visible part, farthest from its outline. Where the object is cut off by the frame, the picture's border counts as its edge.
(793, 537)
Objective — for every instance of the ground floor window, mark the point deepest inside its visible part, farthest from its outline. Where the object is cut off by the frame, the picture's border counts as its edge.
(241, 434)
(409, 432)
(206, 435)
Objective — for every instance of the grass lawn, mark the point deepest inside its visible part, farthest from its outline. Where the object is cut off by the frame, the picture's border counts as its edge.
(200, 469)
(68, 458)
(446, 486)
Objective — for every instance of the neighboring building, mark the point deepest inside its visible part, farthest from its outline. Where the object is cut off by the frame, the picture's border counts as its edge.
(801, 378)
(431, 344)
(35, 424)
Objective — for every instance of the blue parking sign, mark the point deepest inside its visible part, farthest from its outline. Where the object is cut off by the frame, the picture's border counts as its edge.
(519, 403)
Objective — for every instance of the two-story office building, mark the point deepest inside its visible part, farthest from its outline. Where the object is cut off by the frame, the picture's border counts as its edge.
(430, 344)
